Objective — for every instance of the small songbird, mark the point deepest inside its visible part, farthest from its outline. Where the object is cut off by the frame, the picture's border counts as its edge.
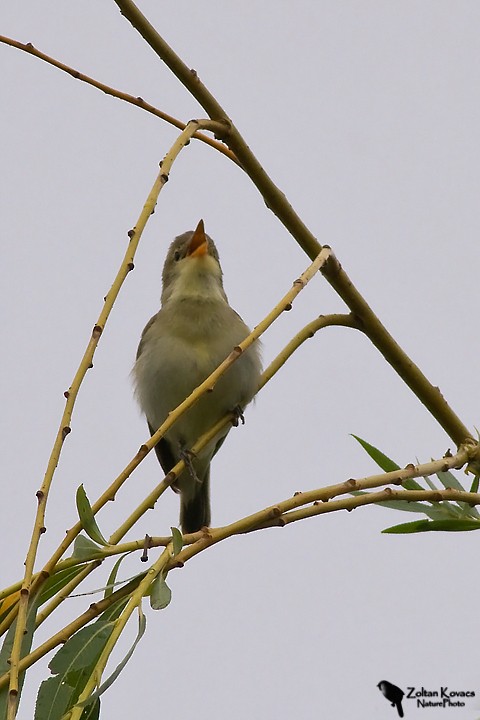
(193, 332)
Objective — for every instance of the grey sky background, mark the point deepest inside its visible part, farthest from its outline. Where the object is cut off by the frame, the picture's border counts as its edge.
(366, 114)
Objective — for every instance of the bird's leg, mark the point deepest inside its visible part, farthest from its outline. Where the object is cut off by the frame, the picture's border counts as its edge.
(237, 415)
(188, 456)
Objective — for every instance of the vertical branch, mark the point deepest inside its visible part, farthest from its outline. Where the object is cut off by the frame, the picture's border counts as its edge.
(71, 395)
(134, 602)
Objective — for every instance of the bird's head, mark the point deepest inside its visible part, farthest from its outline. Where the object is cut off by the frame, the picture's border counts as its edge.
(192, 268)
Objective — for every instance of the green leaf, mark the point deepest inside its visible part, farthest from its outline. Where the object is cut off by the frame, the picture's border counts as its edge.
(111, 582)
(402, 505)
(72, 666)
(443, 511)
(386, 464)
(52, 699)
(405, 506)
(411, 484)
(448, 480)
(449, 525)
(430, 483)
(57, 582)
(377, 456)
(160, 593)
(84, 548)
(87, 517)
(177, 539)
(6, 651)
(142, 624)
(475, 482)
(82, 649)
(115, 610)
(92, 712)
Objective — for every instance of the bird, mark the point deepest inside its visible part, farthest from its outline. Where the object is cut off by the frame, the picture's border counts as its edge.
(192, 333)
(393, 694)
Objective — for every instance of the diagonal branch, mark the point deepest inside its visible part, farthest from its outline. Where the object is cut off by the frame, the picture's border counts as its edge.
(300, 506)
(429, 395)
(307, 332)
(27, 590)
(108, 90)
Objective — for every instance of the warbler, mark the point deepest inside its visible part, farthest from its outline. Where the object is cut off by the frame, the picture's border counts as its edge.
(192, 333)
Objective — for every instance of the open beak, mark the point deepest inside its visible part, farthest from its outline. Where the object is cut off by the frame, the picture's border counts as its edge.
(198, 244)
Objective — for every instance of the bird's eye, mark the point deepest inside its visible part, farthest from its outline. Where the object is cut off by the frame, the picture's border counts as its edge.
(176, 255)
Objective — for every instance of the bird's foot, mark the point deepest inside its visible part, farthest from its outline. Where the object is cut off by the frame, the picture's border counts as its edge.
(188, 457)
(237, 416)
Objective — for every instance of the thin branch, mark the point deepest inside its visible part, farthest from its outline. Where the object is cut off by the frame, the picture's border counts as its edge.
(274, 515)
(307, 332)
(71, 395)
(298, 507)
(66, 591)
(137, 101)
(134, 602)
(273, 196)
(209, 383)
(109, 494)
(373, 498)
(62, 635)
(410, 373)
(278, 203)
(148, 503)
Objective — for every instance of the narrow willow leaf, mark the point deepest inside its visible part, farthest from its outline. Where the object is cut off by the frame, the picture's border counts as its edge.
(115, 610)
(160, 593)
(405, 506)
(84, 548)
(87, 517)
(377, 455)
(411, 484)
(412, 527)
(386, 464)
(430, 483)
(92, 712)
(443, 511)
(475, 483)
(104, 588)
(434, 525)
(6, 651)
(436, 511)
(449, 480)
(142, 624)
(57, 582)
(402, 505)
(446, 509)
(111, 582)
(177, 539)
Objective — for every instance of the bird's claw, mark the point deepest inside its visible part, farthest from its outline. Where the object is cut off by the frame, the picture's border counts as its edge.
(237, 416)
(188, 457)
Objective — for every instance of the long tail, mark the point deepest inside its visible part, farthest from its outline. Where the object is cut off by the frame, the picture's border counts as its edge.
(195, 511)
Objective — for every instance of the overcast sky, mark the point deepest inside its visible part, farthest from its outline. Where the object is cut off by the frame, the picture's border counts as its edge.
(367, 116)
